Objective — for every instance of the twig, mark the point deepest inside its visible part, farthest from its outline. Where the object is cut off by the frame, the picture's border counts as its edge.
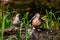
(11, 30)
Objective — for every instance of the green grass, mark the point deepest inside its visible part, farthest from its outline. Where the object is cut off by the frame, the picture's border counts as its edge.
(50, 21)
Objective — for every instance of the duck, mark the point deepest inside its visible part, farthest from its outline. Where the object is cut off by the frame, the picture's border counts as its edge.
(36, 22)
(16, 19)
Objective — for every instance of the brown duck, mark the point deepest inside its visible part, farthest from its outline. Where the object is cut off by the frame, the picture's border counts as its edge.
(36, 20)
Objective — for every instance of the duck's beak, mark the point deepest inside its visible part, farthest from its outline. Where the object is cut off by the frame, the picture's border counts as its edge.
(33, 17)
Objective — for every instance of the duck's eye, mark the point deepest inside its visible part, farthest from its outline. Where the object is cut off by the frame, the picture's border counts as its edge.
(39, 18)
